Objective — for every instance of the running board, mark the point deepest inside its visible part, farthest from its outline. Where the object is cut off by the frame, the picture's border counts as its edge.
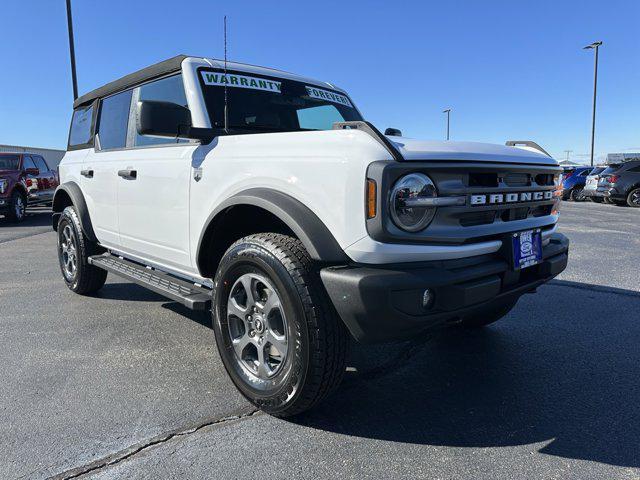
(189, 294)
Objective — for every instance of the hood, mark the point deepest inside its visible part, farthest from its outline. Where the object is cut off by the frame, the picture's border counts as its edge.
(414, 150)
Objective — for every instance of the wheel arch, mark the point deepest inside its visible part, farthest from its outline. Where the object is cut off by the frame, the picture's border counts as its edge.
(277, 210)
(21, 188)
(69, 194)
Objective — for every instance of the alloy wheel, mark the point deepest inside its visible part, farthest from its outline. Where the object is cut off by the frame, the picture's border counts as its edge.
(257, 326)
(68, 252)
(19, 207)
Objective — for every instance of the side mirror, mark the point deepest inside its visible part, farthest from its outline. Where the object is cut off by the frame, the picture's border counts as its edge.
(166, 119)
(393, 132)
(34, 172)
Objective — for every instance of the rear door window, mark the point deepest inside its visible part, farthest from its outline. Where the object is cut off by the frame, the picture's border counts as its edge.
(114, 121)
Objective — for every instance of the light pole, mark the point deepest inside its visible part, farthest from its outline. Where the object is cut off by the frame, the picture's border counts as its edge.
(568, 152)
(72, 51)
(595, 46)
(448, 112)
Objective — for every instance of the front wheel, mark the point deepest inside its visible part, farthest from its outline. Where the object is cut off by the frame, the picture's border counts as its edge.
(633, 199)
(278, 335)
(74, 250)
(577, 195)
(17, 207)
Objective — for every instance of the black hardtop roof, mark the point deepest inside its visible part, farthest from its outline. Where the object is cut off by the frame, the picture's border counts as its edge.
(148, 73)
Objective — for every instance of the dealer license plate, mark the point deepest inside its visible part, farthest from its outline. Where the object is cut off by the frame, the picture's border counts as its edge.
(527, 248)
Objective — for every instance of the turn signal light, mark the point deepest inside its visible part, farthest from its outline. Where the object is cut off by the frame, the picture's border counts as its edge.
(372, 194)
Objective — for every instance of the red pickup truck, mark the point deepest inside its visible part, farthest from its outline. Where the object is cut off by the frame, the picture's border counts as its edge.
(25, 180)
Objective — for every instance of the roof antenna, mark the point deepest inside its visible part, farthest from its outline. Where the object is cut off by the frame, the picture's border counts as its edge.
(226, 109)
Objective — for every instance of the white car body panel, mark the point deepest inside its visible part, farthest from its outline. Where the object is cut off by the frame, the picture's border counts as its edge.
(153, 210)
(101, 194)
(324, 170)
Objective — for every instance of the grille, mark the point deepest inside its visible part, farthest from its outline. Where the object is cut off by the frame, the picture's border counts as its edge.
(500, 198)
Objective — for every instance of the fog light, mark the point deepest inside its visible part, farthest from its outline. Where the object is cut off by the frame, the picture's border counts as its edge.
(427, 298)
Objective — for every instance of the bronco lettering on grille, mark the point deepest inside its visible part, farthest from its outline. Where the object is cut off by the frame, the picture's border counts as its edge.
(502, 198)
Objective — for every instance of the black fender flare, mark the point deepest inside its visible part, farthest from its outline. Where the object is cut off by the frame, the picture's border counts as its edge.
(73, 191)
(312, 232)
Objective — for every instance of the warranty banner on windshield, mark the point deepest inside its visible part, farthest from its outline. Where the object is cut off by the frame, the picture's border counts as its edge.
(257, 83)
(241, 81)
(329, 96)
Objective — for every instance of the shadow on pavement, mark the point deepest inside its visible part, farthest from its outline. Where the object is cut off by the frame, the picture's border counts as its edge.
(35, 218)
(569, 379)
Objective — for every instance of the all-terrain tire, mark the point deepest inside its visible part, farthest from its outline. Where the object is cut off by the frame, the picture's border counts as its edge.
(84, 278)
(317, 339)
(487, 317)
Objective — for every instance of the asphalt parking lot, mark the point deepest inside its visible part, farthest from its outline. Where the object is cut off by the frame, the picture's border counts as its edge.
(128, 385)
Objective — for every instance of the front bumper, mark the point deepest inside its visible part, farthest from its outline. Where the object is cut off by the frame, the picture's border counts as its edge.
(380, 304)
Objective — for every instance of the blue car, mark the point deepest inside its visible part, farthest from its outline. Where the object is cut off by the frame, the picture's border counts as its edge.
(573, 183)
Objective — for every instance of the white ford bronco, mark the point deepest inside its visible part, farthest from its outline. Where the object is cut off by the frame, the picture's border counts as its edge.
(266, 198)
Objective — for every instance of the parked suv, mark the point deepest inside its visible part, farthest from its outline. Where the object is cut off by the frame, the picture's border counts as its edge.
(620, 184)
(266, 198)
(25, 180)
(573, 183)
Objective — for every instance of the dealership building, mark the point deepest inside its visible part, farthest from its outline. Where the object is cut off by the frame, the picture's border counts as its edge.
(52, 156)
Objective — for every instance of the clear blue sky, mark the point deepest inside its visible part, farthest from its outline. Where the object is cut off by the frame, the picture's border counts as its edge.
(509, 70)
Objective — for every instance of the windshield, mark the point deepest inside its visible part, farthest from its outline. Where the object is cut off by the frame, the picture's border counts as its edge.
(596, 171)
(9, 162)
(257, 103)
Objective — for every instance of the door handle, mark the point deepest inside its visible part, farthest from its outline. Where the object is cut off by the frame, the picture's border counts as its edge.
(87, 173)
(128, 174)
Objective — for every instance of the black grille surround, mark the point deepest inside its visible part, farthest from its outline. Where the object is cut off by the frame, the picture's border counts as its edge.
(466, 224)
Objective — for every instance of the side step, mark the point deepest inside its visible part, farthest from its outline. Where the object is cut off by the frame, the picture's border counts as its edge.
(189, 294)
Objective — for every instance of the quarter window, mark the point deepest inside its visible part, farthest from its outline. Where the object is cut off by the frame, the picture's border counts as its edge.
(114, 120)
(170, 89)
(80, 133)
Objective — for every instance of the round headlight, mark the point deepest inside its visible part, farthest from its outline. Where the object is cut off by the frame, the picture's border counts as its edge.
(411, 202)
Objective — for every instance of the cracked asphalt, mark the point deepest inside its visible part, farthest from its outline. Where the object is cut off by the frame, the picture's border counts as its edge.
(128, 385)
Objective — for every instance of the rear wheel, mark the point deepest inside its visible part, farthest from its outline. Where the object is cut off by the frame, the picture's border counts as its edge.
(633, 199)
(74, 250)
(487, 317)
(17, 207)
(278, 335)
(608, 201)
